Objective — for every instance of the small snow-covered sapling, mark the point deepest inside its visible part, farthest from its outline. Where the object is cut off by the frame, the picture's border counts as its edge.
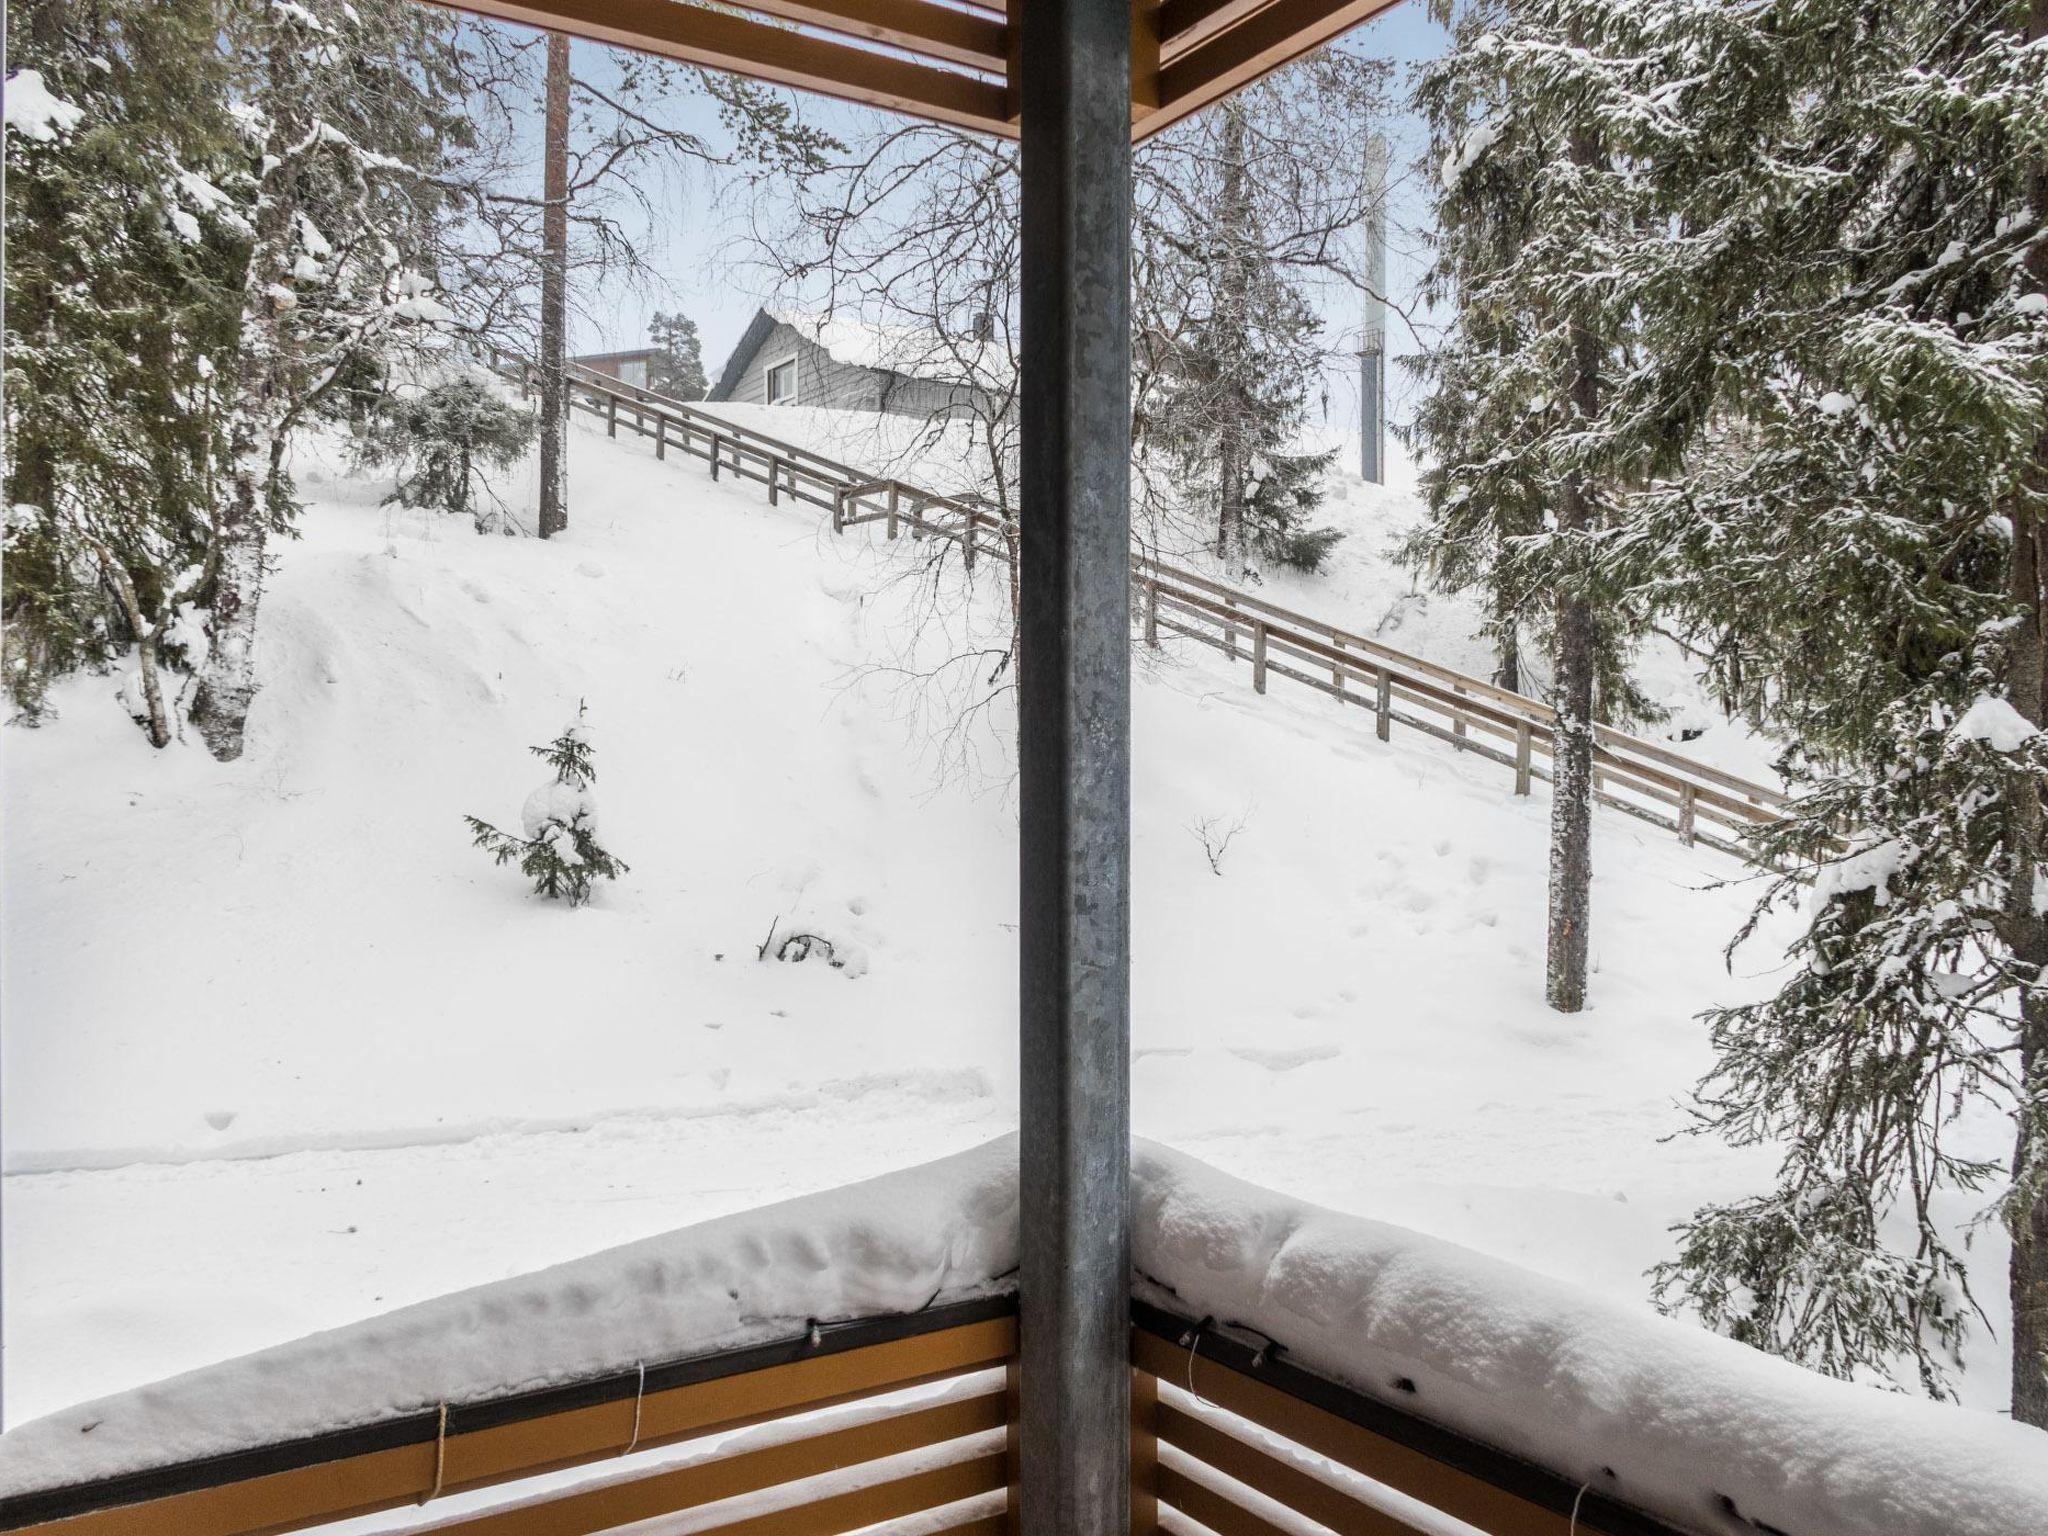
(560, 852)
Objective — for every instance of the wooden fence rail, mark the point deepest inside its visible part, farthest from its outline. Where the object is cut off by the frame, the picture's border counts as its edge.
(1644, 779)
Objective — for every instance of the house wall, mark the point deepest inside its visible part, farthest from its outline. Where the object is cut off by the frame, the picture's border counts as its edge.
(825, 381)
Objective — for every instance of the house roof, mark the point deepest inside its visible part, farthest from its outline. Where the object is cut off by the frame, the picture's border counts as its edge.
(914, 352)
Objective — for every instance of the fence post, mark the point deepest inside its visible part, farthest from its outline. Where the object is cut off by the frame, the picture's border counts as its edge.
(774, 481)
(1229, 631)
(661, 437)
(1337, 673)
(1383, 706)
(839, 509)
(972, 527)
(892, 509)
(1258, 655)
(1523, 748)
(1152, 612)
(611, 424)
(1687, 812)
(717, 450)
(1458, 720)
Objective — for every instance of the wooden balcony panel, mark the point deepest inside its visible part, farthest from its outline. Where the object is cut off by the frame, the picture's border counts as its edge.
(398, 1462)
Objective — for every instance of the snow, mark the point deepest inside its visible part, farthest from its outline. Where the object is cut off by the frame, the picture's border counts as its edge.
(1996, 723)
(1682, 1423)
(32, 111)
(559, 803)
(283, 1050)
(923, 1236)
(1834, 403)
(1686, 1425)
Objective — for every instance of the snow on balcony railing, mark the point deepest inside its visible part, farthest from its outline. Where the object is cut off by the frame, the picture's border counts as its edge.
(1286, 1356)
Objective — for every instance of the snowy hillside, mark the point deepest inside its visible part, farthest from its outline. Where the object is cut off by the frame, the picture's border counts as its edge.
(284, 1050)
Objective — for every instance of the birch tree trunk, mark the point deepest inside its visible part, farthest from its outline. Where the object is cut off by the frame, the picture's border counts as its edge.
(227, 676)
(2028, 935)
(554, 297)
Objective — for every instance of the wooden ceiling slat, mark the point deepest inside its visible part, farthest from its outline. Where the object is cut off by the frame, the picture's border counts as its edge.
(918, 26)
(695, 34)
(1184, 24)
(1259, 43)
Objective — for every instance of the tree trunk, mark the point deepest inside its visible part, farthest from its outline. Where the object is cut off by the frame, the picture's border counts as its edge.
(1571, 798)
(554, 297)
(2028, 687)
(1233, 284)
(1507, 646)
(227, 676)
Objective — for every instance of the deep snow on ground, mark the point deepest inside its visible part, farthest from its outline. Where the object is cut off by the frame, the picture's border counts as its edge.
(283, 1050)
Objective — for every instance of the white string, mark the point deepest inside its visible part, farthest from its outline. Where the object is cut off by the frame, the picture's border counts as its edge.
(1573, 1529)
(440, 1458)
(639, 1398)
(1194, 1349)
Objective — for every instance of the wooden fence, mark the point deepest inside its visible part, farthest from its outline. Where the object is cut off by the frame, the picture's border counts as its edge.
(1644, 779)
(1224, 1430)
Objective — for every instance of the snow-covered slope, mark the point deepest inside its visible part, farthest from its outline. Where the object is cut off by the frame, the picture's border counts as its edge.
(300, 956)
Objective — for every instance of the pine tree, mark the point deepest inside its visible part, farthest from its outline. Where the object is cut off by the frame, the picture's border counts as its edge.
(679, 359)
(1539, 201)
(122, 249)
(441, 439)
(1833, 394)
(1236, 210)
(560, 852)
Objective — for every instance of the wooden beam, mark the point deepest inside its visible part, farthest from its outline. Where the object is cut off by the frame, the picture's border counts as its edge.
(971, 38)
(781, 55)
(1183, 24)
(1258, 43)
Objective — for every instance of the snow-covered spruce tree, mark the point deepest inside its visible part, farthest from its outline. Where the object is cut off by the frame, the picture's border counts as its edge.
(441, 439)
(1531, 120)
(120, 245)
(347, 111)
(679, 357)
(1238, 211)
(560, 852)
(1843, 320)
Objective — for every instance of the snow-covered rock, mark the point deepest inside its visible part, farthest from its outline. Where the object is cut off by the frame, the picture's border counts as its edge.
(1702, 1431)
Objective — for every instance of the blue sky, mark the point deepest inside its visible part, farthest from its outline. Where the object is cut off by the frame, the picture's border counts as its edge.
(693, 236)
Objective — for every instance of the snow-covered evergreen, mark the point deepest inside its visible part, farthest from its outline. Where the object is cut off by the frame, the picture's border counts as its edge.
(558, 849)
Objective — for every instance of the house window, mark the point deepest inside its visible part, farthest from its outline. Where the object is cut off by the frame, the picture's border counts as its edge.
(782, 382)
(634, 372)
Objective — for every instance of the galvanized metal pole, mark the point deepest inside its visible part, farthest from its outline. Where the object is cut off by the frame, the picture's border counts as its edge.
(1073, 704)
(1372, 351)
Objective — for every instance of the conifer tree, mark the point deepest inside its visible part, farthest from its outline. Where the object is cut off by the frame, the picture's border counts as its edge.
(441, 439)
(679, 357)
(559, 852)
(1538, 202)
(1845, 313)
(120, 242)
(1237, 210)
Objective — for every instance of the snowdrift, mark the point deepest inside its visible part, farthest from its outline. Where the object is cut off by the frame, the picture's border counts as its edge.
(1702, 1431)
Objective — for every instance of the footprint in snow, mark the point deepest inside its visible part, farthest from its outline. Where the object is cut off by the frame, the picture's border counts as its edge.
(219, 1119)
